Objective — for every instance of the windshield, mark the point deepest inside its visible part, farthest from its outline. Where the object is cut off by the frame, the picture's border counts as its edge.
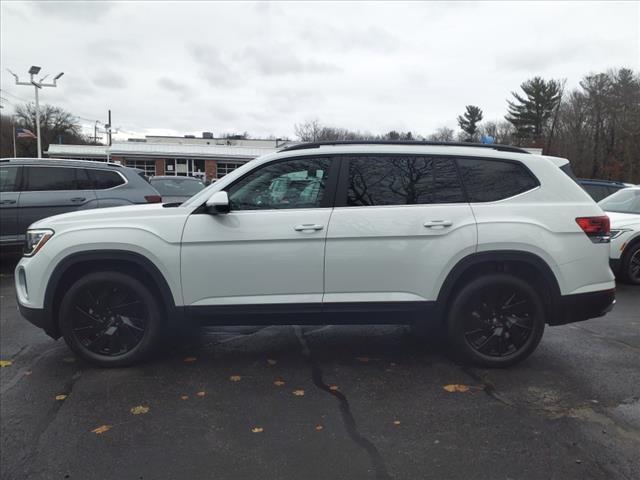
(177, 187)
(623, 201)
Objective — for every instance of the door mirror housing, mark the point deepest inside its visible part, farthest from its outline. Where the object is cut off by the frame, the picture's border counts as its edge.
(218, 203)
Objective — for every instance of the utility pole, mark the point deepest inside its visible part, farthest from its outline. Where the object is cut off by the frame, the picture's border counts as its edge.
(95, 132)
(13, 127)
(34, 70)
(108, 128)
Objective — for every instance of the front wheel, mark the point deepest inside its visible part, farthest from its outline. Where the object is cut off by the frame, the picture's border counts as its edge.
(110, 319)
(496, 321)
(630, 267)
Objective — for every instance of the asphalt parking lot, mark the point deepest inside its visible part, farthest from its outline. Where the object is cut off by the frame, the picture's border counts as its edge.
(323, 402)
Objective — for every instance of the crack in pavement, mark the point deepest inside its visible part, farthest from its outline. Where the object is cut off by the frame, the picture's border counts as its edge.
(347, 417)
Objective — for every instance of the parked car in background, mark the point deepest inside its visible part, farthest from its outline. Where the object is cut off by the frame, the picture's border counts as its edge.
(486, 242)
(623, 209)
(176, 189)
(32, 189)
(600, 189)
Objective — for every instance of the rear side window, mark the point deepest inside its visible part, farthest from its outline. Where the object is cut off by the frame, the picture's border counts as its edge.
(51, 178)
(8, 179)
(103, 179)
(491, 180)
(402, 180)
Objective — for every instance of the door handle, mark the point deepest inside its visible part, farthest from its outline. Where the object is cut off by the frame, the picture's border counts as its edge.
(308, 226)
(78, 199)
(438, 223)
(7, 202)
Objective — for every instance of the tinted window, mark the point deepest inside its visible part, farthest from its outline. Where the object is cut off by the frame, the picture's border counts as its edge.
(103, 179)
(298, 183)
(402, 180)
(597, 192)
(491, 180)
(8, 179)
(51, 178)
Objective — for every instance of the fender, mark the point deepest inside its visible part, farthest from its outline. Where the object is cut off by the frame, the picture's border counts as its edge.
(50, 321)
(529, 258)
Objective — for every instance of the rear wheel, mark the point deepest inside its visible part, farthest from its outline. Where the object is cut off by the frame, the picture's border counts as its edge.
(110, 319)
(496, 321)
(630, 267)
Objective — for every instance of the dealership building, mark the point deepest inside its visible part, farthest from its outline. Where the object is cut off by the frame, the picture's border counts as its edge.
(206, 158)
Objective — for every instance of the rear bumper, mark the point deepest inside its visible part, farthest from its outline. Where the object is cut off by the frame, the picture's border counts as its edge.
(583, 306)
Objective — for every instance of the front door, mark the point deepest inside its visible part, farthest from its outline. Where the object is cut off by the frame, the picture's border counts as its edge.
(9, 196)
(400, 223)
(269, 249)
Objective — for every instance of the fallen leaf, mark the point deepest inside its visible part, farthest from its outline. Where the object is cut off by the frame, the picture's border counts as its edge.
(333, 388)
(271, 361)
(298, 393)
(235, 378)
(362, 359)
(190, 359)
(184, 397)
(101, 429)
(69, 359)
(278, 383)
(140, 410)
(5, 363)
(201, 394)
(257, 429)
(454, 387)
(319, 427)
(396, 422)
(60, 397)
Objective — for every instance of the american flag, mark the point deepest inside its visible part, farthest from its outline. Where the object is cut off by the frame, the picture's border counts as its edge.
(24, 133)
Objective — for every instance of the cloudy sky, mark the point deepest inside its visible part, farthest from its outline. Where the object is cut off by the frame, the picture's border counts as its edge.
(186, 67)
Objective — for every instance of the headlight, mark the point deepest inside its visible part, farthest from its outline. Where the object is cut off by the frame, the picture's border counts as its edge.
(36, 240)
(619, 231)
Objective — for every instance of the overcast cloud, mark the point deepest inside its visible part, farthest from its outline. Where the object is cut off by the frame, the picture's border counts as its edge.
(184, 68)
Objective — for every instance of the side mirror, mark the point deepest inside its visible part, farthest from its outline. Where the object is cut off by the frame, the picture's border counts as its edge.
(218, 203)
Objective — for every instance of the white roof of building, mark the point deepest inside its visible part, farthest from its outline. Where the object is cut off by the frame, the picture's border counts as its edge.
(77, 150)
(176, 150)
(160, 150)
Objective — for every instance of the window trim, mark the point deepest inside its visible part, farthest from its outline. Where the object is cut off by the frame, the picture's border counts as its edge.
(343, 180)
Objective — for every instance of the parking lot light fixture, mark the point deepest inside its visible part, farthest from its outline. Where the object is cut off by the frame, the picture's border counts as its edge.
(37, 84)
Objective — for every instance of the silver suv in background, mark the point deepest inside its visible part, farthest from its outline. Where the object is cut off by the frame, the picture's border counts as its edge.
(32, 189)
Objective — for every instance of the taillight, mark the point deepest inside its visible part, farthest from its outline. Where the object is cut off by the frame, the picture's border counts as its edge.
(598, 229)
(153, 198)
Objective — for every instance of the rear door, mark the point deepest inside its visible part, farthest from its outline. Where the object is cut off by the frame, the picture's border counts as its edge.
(51, 190)
(9, 195)
(400, 223)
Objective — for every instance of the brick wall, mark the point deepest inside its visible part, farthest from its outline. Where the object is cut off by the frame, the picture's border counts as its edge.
(211, 169)
(159, 166)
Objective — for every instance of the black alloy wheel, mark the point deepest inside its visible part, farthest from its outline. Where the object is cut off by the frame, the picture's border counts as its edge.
(496, 320)
(631, 264)
(110, 318)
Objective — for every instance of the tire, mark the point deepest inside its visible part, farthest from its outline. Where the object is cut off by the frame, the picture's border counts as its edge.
(630, 265)
(495, 321)
(110, 319)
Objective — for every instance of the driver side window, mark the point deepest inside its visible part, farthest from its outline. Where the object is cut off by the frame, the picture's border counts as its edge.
(295, 183)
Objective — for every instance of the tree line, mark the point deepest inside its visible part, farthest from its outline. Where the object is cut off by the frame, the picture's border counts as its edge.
(596, 125)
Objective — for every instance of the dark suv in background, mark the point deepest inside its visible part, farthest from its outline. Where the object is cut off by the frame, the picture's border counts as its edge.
(600, 189)
(32, 189)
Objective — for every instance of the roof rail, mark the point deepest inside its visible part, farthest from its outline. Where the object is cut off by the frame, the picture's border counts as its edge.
(500, 148)
(57, 159)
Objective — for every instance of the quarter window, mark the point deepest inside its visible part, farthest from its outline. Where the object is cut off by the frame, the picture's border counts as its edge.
(492, 180)
(8, 179)
(51, 178)
(297, 183)
(402, 180)
(103, 179)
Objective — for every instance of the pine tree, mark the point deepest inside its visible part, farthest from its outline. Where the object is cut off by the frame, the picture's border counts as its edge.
(530, 114)
(469, 122)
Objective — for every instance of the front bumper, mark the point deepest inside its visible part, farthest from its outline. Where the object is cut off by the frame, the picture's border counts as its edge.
(583, 306)
(39, 318)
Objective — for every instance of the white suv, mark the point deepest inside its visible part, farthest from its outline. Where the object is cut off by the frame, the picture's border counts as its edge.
(490, 242)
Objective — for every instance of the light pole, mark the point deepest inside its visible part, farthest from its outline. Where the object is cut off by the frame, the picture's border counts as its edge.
(34, 70)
